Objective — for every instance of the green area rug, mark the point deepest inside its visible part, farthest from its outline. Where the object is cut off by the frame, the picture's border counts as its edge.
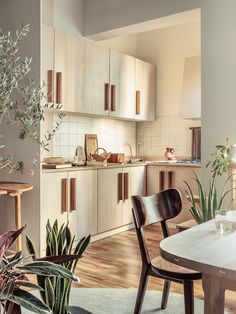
(121, 301)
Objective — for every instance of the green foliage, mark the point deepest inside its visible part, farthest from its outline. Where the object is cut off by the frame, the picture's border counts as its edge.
(14, 280)
(20, 97)
(212, 200)
(56, 291)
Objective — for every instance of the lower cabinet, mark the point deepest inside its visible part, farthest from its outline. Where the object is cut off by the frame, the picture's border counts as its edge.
(69, 197)
(115, 187)
(163, 177)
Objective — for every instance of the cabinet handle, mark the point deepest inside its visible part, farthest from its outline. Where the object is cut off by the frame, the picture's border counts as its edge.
(161, 180)
(64, 195)
(138, 101)
(59, 88)
(126, 185)
(50, 92)
(107, 97)
(113, 97)
(170, 179)
(72, 194)
(120, 179)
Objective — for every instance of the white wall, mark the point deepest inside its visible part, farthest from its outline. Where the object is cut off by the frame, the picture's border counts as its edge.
(12, 14)
(105, 15)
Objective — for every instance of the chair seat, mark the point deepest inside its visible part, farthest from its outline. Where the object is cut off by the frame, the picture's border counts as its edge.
(165, 268)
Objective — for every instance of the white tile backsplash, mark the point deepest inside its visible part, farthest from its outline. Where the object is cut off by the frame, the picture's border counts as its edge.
(113, 135)
(166, 131)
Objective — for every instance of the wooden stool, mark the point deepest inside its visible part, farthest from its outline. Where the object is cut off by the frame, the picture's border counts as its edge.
(15, 189)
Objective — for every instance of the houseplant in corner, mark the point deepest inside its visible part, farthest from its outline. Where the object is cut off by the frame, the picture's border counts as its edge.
(14, 280)
(56, 291)
(211, 200)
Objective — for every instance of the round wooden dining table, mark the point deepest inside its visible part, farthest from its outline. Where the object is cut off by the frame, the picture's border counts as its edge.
(16, 189)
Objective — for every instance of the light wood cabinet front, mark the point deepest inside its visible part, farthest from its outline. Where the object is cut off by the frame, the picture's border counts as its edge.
(82, 215)
(122, 69)
(145, 88)
(135, 179)
(163, 177)
(53, 202)
(96, 78)
(69, 71)
(109, 204)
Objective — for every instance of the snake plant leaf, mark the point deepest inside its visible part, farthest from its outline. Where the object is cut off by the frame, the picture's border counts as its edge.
(28, 301)
(59, 259)
(82, 245)
(30, 247)
(47, 269)
(49, 293)
(16, 256)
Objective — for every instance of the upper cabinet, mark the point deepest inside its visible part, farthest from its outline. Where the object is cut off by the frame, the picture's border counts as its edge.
(145, 90)
(97, 95)
(63, 68)
(69, 69)
(122, 78)
(85, 77)
(191, 89)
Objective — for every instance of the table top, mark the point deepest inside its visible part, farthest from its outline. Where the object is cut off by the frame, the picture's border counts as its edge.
(15, 186)
(204, 249)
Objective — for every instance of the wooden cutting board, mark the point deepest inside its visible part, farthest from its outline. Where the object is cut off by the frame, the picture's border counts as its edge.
(91, 144)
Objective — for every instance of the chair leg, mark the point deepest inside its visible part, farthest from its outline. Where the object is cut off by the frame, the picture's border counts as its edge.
(165, 294)
(141, 290)
(188, 297)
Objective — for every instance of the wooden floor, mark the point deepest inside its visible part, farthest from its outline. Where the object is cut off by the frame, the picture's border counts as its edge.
(115, 262)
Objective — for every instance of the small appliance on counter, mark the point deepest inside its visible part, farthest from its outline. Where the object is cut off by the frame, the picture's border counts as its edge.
(170, 153)
(79, 158)
(116, 158)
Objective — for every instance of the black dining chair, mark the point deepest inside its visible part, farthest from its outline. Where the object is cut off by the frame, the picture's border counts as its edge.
(152, 209)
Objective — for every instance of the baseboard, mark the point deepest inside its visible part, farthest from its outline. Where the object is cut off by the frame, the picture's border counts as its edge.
(112, 232)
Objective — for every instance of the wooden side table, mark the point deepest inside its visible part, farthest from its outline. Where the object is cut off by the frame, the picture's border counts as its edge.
(15, 189)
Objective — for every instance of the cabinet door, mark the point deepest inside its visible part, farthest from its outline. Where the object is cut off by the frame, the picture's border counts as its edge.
(134, 184)
(96, 78)
(179, 175)
(109, 202)
(156, 179)
(53, 202)
(47, 68)
(122, 85)
(145, 86)
(82, 213)
(69, 61)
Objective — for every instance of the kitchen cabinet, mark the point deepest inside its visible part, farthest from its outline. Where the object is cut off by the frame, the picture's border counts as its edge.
(122, 69)
(82, 214)
(63, 68)
(145, 89)
(160, 177)
(97, 88)
(69, 197)
(115, 187)
(69, 69)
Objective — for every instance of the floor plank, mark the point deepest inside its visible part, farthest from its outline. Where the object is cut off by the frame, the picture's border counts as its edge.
(115, 262)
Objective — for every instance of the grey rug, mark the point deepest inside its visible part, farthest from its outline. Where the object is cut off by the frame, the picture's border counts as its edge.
(121, 301)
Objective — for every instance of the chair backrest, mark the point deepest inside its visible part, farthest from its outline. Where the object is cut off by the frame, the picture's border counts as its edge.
(155, 208)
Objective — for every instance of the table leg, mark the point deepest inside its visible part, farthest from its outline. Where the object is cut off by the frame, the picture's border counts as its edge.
(214, 295)
(18, 220)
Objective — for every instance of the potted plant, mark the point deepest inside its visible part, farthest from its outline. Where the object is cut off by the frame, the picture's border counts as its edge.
(14, 279)
(55, 292)
(211, 200)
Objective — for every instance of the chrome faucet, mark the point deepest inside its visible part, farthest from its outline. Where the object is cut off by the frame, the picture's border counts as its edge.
(130, 148)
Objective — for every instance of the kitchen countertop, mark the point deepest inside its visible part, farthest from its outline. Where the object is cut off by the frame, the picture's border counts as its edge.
(117, 165)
